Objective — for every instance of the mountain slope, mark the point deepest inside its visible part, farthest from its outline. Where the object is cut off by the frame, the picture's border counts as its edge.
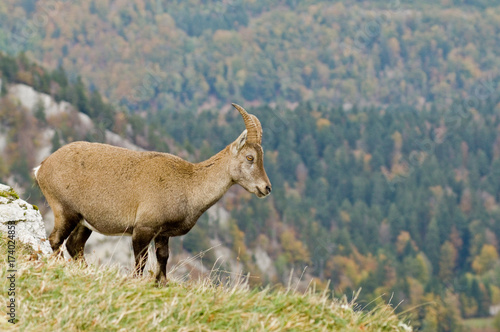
(397, 200)
(145, 55)
(60, 295)
(394, 200)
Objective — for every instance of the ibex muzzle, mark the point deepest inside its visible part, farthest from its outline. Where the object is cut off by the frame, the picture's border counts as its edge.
(148, 195)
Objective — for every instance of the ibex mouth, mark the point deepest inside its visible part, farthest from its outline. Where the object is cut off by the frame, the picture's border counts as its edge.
(260, 194)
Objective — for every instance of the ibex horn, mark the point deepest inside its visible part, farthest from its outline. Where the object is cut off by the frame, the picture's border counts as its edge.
(254, 128)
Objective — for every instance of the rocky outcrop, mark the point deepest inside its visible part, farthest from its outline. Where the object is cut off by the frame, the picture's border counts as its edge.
(26, 219)
(29, 98)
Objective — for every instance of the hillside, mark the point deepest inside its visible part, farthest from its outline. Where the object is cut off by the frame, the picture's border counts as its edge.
(178, 55)
(381, 131)
(394, 200)
(59, 295)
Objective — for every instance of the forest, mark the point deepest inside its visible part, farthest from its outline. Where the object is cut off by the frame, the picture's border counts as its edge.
(381, 129)
(155, 55)
(391, 200)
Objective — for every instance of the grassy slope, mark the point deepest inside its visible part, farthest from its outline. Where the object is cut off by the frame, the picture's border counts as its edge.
(480, 324)
(56, 295)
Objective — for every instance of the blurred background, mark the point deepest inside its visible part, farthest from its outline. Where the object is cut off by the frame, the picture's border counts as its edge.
(381, 133)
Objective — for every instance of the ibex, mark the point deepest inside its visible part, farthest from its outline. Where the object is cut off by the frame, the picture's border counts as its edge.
(147, 195)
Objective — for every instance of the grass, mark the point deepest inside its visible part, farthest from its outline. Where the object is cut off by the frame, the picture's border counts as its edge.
(479, 324)
(10, 194)
(56, 295)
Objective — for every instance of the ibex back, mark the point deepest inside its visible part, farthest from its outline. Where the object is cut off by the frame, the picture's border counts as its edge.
(148, 195)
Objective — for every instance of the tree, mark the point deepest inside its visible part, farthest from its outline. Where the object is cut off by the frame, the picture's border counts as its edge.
(40, 112)
(395, 220)
(443, 314)
(294, 249)
(56, 141)
(447, 261)
(8, 67)
(432, 245)
(59, 76)
(80, 98)
(486, 260)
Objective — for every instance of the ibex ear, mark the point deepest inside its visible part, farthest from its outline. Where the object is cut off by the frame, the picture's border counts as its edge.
(238, 144)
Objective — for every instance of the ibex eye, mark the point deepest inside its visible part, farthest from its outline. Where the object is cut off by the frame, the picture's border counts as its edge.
(250, 158)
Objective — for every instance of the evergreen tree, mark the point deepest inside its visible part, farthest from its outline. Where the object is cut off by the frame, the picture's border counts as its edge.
(432, 244)
(56, 141)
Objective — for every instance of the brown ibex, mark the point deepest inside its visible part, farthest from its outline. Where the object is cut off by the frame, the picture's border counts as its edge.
(148, 195)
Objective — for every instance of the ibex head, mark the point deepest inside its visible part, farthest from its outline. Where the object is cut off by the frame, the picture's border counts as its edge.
(247, 162)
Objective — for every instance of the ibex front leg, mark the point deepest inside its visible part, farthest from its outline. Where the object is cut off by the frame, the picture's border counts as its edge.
(141, 237)
(161, 242)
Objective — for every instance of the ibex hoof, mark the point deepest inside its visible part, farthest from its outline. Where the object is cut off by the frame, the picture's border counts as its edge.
(58, 254)
(162, 282)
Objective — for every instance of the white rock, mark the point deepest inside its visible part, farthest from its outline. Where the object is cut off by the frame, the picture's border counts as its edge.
(3, 141)
(110, 250)
(4, 188)
(29, 98)
(264, 262)
(45, 147)
(117, 140)
(25, 94)
(29, 226)
(218, 215)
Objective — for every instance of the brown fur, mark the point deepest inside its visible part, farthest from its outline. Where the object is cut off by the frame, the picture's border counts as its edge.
(148, 195)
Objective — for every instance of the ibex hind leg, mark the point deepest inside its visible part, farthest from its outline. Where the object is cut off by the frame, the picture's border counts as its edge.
(162, 252)
(76, 241)
(65, 222)
(141, 237)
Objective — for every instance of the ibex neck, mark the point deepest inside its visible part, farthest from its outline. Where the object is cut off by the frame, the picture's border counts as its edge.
(211, 180)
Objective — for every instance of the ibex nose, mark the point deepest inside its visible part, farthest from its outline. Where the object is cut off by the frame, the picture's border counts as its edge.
(268, 189)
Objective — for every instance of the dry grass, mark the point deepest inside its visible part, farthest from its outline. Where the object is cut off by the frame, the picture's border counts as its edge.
(56, 295)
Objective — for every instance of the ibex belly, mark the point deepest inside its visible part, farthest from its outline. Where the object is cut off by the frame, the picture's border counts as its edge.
(109, 230)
